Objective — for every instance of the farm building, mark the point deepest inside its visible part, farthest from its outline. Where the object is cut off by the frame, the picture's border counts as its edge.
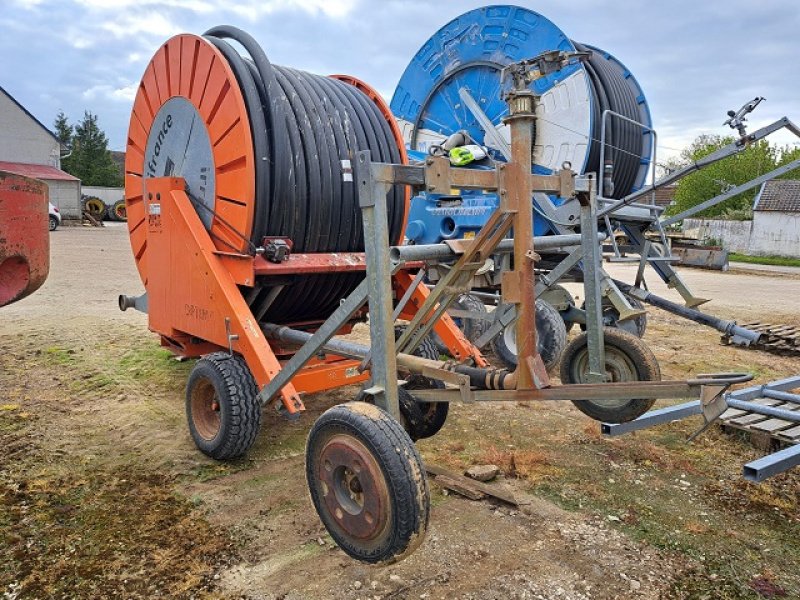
(29, 148)
(774, 230)
(776, 219)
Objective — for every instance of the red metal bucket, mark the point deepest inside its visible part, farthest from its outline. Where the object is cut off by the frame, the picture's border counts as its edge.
(24, 236)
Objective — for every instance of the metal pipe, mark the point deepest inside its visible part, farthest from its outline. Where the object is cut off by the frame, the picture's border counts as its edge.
(487, 379)
(770, 411)
(730, 328)
(731, 193)
(785, 396)
(733, 148)
(506, 246)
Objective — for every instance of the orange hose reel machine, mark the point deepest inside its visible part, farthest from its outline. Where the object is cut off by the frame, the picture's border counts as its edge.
(192, 148)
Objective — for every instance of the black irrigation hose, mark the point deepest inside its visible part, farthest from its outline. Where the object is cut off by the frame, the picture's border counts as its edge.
(303, 126)
(624, 141)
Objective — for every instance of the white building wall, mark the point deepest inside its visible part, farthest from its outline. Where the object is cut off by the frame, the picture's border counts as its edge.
(770, 233)
(22, 139)
(66, 195)
(775, 233)
(733, 235)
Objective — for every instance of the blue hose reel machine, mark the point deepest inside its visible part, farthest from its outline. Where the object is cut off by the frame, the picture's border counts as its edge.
(453, 84)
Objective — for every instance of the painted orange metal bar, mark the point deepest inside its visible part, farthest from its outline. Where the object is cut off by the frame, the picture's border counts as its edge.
(329, 374)
(452, 337)
(192, 291)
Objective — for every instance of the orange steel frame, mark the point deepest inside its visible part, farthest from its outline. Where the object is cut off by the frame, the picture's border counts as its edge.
(196, 306)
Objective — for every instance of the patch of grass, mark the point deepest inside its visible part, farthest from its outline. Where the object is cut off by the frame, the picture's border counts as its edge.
(153, 364)
(210, 471)
(780, 261)
(59, 356)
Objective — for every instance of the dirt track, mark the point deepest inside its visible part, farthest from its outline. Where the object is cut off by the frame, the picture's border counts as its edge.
(104, 495)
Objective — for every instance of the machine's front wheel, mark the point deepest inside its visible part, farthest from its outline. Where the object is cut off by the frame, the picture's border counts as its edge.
(627, 359)
(367, 483)
(222, 407)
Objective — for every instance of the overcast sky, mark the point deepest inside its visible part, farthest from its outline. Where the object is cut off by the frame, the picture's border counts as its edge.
(694, 59)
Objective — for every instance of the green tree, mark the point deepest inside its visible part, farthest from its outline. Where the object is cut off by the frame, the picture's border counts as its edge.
(755, 160)
(64, 133)
(90, 160)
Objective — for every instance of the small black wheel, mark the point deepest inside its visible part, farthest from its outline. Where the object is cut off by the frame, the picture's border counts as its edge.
(420, 419)
(367, 483)
(221, 406)
(53, 223)
(551, 338)
(471, 328)
(627, 359)
(433, 414)
(637, 326)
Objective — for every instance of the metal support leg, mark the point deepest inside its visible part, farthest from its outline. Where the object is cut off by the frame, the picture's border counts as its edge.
(372, 199)
(591, 287)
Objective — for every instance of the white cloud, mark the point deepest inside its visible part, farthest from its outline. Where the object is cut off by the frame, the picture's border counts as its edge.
(255, 9)
(122, 93)
(137, 24)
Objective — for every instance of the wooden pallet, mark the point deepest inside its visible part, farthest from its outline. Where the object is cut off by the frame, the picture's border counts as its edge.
(777, 339)
(765, 431)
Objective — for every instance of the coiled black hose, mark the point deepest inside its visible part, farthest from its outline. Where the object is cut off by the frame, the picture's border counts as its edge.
(303, 126)
(624, 141)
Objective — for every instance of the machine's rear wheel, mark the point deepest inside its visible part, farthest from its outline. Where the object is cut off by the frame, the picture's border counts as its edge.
(551, 338)
(434, 414)
(367, 483)
(221, 406)
(627, 359)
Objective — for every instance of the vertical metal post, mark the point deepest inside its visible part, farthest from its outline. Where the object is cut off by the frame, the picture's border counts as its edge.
(516, 195)
(591, 285)
(372, 200)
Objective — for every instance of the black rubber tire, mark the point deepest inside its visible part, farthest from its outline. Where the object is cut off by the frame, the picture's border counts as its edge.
(115, 209)
(400, 468)
(89, 202)
(551, 338)
(427, 347)
(560, 289)
(637, 326)
(235, 392)
(622, 348)
(471, 328)
(52, 224)
(432, 414)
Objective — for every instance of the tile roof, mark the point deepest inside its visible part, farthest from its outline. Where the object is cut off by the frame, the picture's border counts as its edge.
(45, 172)
(779, 194)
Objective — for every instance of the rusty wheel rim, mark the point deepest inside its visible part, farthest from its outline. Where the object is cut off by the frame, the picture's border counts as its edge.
(353, 488)
(206, 410)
